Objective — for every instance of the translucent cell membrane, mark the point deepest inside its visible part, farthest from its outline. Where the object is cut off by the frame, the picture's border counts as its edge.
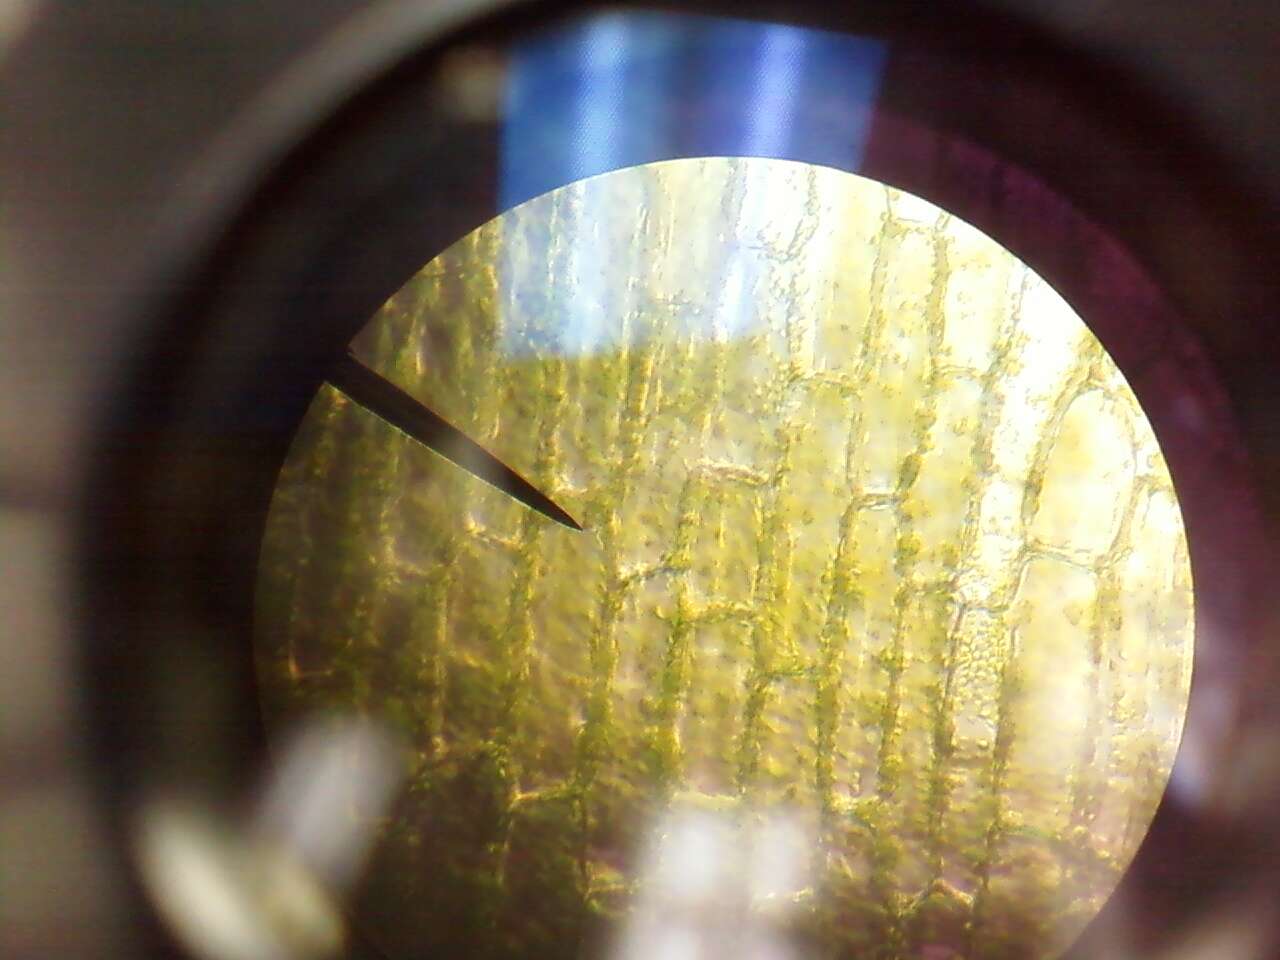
(878, 547)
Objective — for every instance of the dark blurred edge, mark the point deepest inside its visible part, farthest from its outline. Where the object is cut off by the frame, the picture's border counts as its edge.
(173, 518)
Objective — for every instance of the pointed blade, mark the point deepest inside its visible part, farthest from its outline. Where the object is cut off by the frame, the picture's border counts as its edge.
(385, 400)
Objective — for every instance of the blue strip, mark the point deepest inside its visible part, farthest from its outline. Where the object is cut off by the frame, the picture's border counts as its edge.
(622, 89)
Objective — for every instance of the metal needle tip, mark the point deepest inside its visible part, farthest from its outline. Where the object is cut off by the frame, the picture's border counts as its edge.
(385, 400)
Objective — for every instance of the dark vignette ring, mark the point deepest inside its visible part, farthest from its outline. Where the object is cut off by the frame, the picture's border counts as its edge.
(242, 338)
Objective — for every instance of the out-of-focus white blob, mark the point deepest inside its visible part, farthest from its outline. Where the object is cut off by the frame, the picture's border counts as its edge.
(324, 799)
(780, 851)
(688, 862)
(673, 942)
(1227, 768)
(718, 884)
(270, 889)
(1211, 720)
(226, 897)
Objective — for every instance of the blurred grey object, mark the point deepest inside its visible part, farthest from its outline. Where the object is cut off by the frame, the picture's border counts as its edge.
(130, 133)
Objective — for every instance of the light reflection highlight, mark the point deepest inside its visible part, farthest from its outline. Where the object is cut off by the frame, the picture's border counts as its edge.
(272, 888)
(713, 884)
(609, 92)
(621, 89)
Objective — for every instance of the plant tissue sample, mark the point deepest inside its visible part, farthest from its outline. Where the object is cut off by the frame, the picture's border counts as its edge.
(877, 639)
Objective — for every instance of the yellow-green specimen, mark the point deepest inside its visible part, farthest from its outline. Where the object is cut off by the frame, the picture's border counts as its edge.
(875, 534)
